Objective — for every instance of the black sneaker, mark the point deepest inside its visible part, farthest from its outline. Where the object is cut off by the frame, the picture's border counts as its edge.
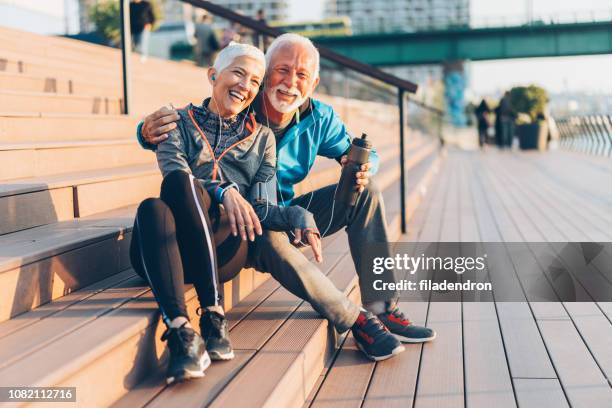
(213, 327)
(188, 356)
(373, 338)
(402, 328)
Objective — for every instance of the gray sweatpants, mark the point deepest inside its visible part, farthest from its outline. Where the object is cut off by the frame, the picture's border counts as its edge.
(366, 224)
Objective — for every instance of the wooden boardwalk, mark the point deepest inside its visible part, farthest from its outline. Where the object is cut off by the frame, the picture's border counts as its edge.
(500, 353)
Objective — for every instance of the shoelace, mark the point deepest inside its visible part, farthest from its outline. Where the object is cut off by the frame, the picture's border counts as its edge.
(185, 338)
(215, 323)
(400, 316)
(376, 326)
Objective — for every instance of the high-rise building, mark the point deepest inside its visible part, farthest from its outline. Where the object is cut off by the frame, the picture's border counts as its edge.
(275, 10)
(400, 15)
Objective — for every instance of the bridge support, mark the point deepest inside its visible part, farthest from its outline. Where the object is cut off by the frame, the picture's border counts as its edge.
(454, 91)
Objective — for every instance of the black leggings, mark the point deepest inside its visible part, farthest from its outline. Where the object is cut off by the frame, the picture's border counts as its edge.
(174, 241)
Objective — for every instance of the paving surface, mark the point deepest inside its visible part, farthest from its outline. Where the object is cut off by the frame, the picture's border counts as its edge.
(500, 353)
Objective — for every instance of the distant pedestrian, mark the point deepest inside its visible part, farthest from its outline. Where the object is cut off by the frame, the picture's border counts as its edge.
(142, 19)
(207, 43)
(505, 115)
(482, 122)
(259, 40)
(230, 34)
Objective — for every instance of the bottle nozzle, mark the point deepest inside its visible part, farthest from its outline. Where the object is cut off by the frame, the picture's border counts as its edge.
(364, 136)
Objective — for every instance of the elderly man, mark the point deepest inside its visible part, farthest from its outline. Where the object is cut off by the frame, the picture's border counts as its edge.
(304, 128)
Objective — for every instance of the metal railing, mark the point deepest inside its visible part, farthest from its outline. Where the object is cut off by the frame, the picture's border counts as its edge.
(402, 86)
(590, 134)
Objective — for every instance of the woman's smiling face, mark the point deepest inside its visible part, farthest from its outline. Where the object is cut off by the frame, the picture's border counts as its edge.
(235, 87)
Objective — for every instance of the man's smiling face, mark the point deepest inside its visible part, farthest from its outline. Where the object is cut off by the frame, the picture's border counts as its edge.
(290, 77)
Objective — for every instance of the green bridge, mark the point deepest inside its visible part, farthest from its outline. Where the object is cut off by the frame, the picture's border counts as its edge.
(476, 44)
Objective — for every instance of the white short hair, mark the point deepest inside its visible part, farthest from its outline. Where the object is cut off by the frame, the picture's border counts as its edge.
(234, 50)
(292, 38)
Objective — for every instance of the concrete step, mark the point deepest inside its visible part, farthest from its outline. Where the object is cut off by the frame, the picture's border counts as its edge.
(51, 127)
(32, 202)
(21, 101)
(39, 159)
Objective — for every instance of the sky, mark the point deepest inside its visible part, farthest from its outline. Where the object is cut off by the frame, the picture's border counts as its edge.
(589, 74)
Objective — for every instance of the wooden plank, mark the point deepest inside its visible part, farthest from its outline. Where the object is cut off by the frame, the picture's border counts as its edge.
(417, 223)
(581, 378)
(440, 382)
(487, 226)
(291, 360)
(527, 355)
(108, 195)
(539, 392)
(468, 226)
(487, 379)
(596, 331)
(570, 194)
(393, 382)
(348, 379)
(506, 227)
(202, 391)
(450, 229)
(52, 127)
(26, 319)
(586, 276)
(31, 210)
(38, 335)
(432, 224)
(26, 287)
(252, 332)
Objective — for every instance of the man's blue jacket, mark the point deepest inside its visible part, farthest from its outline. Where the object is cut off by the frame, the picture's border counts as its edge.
(320, 133)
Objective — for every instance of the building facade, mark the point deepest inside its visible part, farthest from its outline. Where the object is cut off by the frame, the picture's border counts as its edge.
(400, 15)
(275, 10)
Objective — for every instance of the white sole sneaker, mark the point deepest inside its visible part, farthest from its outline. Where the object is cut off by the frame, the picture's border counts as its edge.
(223, 357)
(395, 352)
(189, 374)
(413, 341)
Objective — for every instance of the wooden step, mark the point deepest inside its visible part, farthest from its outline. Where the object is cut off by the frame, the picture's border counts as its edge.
(38, 201)
(55, 84)
(95, 192)
(48, 262)
(295, 354)
(106, 70)
(282, 337)
(42, 200)
(49, 127)
(21, 101)
(39, 159)
(118, 334)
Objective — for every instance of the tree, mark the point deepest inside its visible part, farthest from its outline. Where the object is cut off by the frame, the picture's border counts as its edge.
(105, 16)
(530, 100)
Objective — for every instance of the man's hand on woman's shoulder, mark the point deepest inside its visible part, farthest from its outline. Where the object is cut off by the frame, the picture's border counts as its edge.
(156, 126)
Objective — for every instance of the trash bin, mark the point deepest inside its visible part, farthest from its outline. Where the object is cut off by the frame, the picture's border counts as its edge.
(533, 136)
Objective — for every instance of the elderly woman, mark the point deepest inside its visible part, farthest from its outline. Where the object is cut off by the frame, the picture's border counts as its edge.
(217, 155)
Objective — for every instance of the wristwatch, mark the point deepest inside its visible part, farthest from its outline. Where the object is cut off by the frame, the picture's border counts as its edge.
(222, 188)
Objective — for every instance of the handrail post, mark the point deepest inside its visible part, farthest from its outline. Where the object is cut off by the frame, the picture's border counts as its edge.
(400, 102)
(126, 50)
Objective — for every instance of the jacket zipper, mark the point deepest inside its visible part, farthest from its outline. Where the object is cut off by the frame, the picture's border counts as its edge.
(210, 149)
